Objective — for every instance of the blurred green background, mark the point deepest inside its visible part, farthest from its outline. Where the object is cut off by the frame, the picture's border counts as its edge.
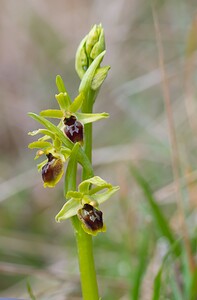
(38, 40)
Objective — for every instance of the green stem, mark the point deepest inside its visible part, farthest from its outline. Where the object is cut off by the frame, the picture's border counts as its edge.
(84, 241)
(86, 264)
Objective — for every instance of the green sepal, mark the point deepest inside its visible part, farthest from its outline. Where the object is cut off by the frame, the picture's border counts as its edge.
(95, 191)
(69, 209)
(52, 113)
(61, 87)
(86, 81)
(77, 103)
(96, 180)
(63, 101)
(89, 118)
(39, 144)
(51, 127)
(99, 77)
(104, 196)
(81, 60)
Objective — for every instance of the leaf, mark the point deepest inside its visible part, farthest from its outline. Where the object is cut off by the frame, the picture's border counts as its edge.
(158, 277)
(157, 284)
(142, 265)
(158, 216)
(193, 287)
(52, 113)
(30, 291)
(89, 118)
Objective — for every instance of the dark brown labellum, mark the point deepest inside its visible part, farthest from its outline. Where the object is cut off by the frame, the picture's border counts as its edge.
(73, 129)
(91, 217)
(52, 169)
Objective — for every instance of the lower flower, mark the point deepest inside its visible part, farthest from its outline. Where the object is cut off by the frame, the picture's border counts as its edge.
(92, 219)
(52, 171)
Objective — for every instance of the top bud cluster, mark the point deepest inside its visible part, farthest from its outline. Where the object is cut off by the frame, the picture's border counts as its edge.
(90, 47)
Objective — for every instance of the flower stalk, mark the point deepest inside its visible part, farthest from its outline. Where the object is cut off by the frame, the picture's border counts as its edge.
(71, 140)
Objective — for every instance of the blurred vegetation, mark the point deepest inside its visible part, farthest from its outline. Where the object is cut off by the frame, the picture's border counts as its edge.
(144, 253)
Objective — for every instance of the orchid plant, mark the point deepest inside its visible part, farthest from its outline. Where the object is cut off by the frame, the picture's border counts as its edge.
(71, 141)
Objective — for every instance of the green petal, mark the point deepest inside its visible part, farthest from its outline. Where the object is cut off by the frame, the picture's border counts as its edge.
(39, 144)
(89, 118)
(69, 210)
(52, 113)
(63, 101)
(61, 87)
(77, 103)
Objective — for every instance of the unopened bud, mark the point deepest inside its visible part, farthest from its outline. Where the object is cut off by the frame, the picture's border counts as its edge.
(90, 47)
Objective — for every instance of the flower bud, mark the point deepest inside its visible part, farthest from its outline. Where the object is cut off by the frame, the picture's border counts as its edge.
(91, 218)
(90, 47)
(73, 129)
(52, 171)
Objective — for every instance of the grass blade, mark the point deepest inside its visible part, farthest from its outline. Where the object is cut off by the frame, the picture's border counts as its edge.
(138, 276)
(156, 212)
